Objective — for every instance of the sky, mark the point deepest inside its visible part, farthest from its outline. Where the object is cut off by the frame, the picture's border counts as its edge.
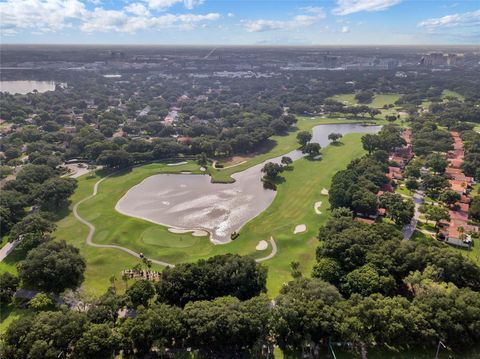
(241, 22)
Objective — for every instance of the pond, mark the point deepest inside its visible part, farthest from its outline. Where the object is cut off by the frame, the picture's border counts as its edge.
(192, 202)
(26, 86)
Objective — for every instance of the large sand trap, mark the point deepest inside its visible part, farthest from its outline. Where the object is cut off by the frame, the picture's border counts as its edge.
(262, 245)
(317, 206)
(195, 232)
(324, 191)
(177, 163)
(300, 229)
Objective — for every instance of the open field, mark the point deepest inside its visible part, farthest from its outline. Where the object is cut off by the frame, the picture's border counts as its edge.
(379, 100)
(449, 93)
(290, 208)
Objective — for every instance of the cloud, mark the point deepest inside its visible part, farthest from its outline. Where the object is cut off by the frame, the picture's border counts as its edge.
(119, 21)
(345, 29)
(43, 16)
(296, 22)
(164, 4)
(230, 14)
(467, 19)
(346, 7)
(137, 9)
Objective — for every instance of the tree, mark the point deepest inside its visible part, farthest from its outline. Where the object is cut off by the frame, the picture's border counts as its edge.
(12, 209)
(141, 292)
(365, 203)
(279, 126)
(434, 184)
(286, 161)
(303, 137)
(53, 267)
(98, 341)
(272, 170)
(474, 211)
(44, 335)
(437, 162)
(334, 137)
(115, 159)
(366, 280)
(364, 97)
(312, 149)
(374, 112)
(227, 325)
(398, 209)
(40, 302)
(449, 197)
(217, 276)
(55, 192)
(32, 225)
(327, 269)
(370, 142)
(8, 287)
(435, 213)
(411, 183)
(295, 269)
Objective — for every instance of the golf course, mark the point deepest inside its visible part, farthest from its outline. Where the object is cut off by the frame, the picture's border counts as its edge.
(290, 208)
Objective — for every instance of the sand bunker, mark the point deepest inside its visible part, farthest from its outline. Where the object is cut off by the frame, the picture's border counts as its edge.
(195, 232)
(300, 229)
(317, 157)
(177, 163)
(203, 169)
(317, 206)
(324, 191)
(262, 245)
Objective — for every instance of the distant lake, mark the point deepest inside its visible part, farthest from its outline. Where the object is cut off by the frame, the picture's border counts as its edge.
(24, 87)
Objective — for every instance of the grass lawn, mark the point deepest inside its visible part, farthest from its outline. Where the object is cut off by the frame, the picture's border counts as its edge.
(290, 207)
(449, 93)
(379, 100)
(279, 145)
(10, 313)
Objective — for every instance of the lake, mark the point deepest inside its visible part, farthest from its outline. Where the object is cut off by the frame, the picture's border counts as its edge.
(186, 201)
(26, 86)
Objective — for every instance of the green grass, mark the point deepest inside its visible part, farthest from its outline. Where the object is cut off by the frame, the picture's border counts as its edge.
(290, 207)
(279, 145)
(379, 100)
(10, 313)
(449, 93)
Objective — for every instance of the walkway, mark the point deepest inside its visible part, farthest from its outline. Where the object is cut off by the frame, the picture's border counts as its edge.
(409, 229)
(7, 249)
(91, 228)
(272, 254)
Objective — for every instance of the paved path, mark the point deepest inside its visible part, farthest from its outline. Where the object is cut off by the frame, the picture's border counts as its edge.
(91, 232)
(91, 228)
(7, 249)
(272, 254)
(408, 229)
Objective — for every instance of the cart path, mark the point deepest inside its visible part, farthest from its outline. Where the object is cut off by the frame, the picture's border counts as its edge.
(91, 228)
(272, 254)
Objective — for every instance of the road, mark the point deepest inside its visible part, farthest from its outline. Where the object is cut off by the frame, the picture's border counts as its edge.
(408, 229)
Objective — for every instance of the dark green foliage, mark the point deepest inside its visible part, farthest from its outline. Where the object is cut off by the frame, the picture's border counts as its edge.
(215, 277)
(141, 292)
(8, 287)
(397, 208)
(53, 267)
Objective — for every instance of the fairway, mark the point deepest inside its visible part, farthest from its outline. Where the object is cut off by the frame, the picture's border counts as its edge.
(293, 205)
(379, 100)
